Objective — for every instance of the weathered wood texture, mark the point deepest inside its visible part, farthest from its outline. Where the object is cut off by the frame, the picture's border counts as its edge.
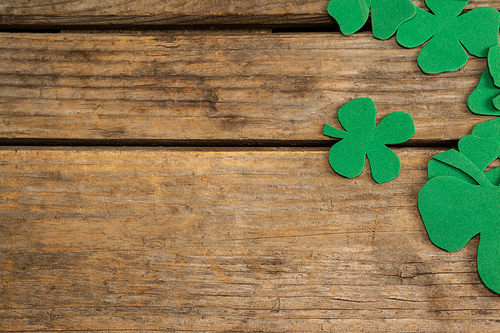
(227, 87)
(74, 13)
(256, 240)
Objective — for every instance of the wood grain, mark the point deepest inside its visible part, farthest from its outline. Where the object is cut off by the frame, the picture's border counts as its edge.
(171, 13)
(282, 87)
(228, 240)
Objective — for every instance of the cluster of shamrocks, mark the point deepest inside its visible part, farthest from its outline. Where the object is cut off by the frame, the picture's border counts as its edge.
(461, 197)
(446, 31)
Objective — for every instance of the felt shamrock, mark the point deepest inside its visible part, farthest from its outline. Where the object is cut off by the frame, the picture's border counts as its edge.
(448, 33)
(488, 129)
(387, 15)
(461, 200)
(362, 138)
(485, 99)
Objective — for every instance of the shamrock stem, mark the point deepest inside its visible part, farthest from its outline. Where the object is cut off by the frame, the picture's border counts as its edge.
(334, 132)
(462, 163)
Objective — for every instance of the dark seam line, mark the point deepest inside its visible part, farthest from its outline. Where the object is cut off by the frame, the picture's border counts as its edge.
(32, 142)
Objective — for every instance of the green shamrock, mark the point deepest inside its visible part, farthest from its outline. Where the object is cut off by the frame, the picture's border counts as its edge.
(448, 33)
(363, 138)
(387, 15)
(488, 129)
(485, 99)
(461, 200)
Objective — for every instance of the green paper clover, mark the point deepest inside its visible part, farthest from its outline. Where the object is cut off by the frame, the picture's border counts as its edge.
(387, 15)
(448, 33)
(485, 99)
(461, 200)
(363, 138)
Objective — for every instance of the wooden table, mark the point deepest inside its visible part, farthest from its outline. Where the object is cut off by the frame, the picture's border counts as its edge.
(163, 168)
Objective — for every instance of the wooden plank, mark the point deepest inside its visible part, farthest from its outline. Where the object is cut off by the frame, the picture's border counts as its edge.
(228, 240)
(227, 87)
(172, 13)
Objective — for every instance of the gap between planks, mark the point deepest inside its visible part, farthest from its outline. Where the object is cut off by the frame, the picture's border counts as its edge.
(38, 142)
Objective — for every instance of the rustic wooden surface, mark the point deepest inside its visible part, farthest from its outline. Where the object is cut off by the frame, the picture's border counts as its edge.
(217, 239)
(267, 240)
(172, 13)
(281, 87)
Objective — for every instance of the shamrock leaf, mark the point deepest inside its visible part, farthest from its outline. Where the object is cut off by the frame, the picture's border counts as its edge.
(362, 139)
(494, 64)
(488, 129)
(387, 15)
(485, 99)
(448, 33)
(461, 200)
